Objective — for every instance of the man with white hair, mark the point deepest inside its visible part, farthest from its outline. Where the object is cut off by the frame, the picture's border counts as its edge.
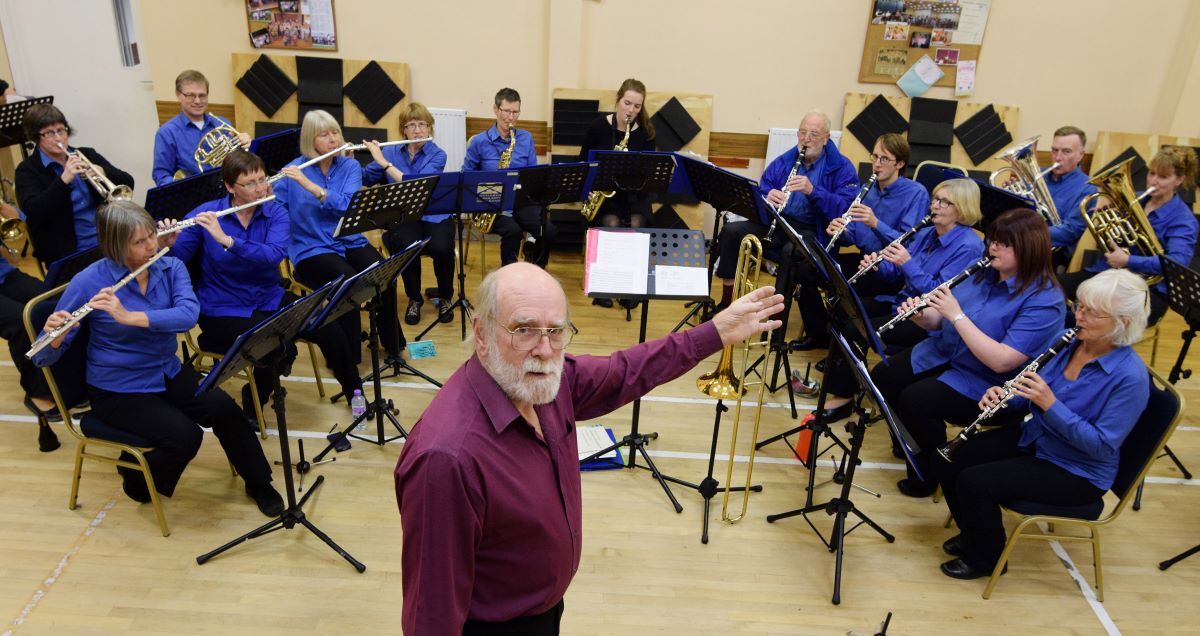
(488, 482)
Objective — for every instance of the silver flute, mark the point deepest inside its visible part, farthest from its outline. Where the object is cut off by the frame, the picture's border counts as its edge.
(846, 217)
(186, 223)
(347, 147)
(50, 336)
(922, 224)
(923, 301)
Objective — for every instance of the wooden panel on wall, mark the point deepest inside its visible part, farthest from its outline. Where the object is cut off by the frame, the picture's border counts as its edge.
(1109, 144)
(539, 129)
(167, 110)
(698, 105)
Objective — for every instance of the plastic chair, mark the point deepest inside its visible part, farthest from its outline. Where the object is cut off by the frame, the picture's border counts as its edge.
(931, 173)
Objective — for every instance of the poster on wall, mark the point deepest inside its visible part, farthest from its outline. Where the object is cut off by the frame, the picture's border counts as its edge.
(292, 24)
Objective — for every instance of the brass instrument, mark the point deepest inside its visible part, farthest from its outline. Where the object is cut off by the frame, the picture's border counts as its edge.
(484, 222)
(787, 194)
(11, 230)
(846, 218)
(923, 301)
(923, 223)
(1030, 180)
(1010, 389)
(723, 384)
(215, 145)
(596, 199)
(102, 184)
(45, 339)
(1123, 222)
(186, 223)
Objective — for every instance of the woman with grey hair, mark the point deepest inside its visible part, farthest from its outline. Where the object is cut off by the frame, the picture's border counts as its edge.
(1082, 404)
(135, 381)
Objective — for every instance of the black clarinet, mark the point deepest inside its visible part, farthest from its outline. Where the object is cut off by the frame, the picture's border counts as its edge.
(923, 302)
(922, 224)
(787, 194)
(947, 449)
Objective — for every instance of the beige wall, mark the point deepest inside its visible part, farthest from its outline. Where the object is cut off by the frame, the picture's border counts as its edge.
(754, 58)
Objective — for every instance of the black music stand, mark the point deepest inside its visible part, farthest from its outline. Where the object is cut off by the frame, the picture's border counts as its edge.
(174, 200)
(11, 116)
(543, 186)
(255, 347)
(368, 286)
(277, 149)
(65, 268)
(683, 248)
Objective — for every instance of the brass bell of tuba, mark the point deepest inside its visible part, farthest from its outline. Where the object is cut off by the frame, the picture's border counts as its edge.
(1124, 221)
(1026, 179)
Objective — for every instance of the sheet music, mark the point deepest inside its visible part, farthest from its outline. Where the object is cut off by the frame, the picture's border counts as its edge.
(622, 260)
(594, 438)
(671, 280)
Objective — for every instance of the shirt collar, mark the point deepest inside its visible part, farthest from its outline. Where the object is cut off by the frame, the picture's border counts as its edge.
(493, 134)
(47, 160)
(500, 410)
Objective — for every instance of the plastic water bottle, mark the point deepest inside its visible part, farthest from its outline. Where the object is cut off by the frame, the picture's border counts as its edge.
(358, 406)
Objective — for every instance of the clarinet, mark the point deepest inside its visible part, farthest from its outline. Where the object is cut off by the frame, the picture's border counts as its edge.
(946, 450)
(846, 218)
(78, 315)
(922, 224)
(923, 302)
(787, 194)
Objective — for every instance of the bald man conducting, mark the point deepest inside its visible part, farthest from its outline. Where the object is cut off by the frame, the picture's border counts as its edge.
(488, 481)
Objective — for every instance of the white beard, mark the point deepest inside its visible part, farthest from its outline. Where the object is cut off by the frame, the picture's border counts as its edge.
(511, 378)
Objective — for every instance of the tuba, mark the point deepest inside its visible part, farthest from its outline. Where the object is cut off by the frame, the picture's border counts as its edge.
(215, 145)
(1026, 179)
(722, 383)
(484, 222)
(102, 184)
(1124, 221)
(596, 199)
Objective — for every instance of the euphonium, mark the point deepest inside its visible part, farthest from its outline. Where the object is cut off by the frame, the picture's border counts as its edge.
(103, 186)
(215, 145)
(1030, 180)
(596, 199)
(1123, 222)
(484, 222)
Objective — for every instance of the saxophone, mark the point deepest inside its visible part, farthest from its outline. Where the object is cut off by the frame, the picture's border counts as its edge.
(484, 222)
(596, 198)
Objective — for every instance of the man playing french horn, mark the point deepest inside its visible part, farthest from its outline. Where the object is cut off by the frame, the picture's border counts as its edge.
(176, 141)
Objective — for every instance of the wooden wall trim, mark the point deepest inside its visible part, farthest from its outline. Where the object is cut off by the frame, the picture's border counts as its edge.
(743, 145)
(168, 109)
(539, 129)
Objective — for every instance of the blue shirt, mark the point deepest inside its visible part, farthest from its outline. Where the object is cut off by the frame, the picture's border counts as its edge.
(1067, 192)
(897, 208)
(1025, 321)
(483, 150)
(125, 359)
(1176, 229)
(429, 159)
(81, 205)
(313, 222)
(5, 268)
(835, 183)
(175, 146)
(1083, 430)
(244, 278)
(934, 260)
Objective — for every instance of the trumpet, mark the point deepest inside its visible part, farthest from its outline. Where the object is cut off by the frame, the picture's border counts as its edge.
(787, 194)
(186, 223)
(484, 222)
(923, 301)
(847, 219)
(50, 336)
(923, 223)
(1010, 389)
(102, 184)
(596, 199)
(215, 145)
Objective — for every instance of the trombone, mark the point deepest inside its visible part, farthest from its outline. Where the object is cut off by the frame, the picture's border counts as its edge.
(102, 184)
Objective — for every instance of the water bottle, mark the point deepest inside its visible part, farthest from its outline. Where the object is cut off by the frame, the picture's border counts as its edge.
(358, 406)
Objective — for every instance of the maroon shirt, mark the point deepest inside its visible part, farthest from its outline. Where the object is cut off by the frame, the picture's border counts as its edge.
(492, 515)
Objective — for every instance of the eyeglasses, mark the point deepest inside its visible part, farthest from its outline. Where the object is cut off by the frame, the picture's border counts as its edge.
(195, 97)
(1083, 311)
(416, 125)
(253, 184)
(939, 202)
(810, 134)
(57, 132)
(528, 338)
(881, 160)
(510, 113)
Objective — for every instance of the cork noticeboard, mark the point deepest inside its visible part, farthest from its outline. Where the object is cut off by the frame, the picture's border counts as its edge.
(899, 32)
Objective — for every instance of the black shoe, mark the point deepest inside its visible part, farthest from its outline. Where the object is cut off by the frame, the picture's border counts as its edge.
(268, 500)
(953, 546)
(835, 414)
(820, 365)
(808, 343)
(959, 569)
(629, 303)
(51, 415)
(898, 453)
(914, 488)
(47, 440)
(445, 314)
(134, 486)
(606, 303)
(412, 315)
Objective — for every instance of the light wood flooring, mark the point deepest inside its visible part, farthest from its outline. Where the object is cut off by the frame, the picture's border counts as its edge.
(104, 568)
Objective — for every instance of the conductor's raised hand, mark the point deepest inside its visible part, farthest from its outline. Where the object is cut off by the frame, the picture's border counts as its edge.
(749, 315)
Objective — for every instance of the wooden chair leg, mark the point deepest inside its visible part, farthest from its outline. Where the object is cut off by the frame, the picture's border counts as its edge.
(258, 412)
(77, 475)
(312, 355)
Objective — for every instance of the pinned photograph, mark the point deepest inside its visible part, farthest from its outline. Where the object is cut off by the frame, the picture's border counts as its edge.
(259, 39)
(897, 31)
(891, 62)
(946, 57)
(887, 11)
(919, 40)
(261, 16)
(942, 37)
(933, 15)
(289, 6)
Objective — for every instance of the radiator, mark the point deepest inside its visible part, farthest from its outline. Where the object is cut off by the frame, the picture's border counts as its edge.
(450, 134)
(780, 140)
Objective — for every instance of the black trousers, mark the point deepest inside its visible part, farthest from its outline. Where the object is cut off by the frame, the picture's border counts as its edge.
(318, 270)
(544, 624)
(524, 219)
(990, 469)
(218, 333)
(840, 380)
(1071, 282)
(440, 248)
(168, 420)
(16, 290)
(625, 208)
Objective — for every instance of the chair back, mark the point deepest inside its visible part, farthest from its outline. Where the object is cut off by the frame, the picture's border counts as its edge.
(1145, 442)
(67, 377)
(931, 173)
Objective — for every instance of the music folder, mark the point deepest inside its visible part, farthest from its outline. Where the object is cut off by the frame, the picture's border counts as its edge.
(645, 263)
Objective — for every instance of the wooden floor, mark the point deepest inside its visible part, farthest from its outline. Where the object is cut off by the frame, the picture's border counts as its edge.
(104, 568)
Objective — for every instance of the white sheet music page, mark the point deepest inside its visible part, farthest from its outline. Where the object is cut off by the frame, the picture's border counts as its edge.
(593, 438)
(672, 280)
(622, 260)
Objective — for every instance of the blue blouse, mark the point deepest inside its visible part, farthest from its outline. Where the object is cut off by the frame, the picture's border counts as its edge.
(934, 260)
(313, 222)
(82, 207)
(896, 208)
(429, 159)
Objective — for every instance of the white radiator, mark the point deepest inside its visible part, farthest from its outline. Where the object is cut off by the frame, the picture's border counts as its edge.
(450, 134)
(780, 140)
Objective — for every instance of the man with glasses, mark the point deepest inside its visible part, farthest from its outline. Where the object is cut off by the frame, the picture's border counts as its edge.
(483, 153)
(176, 141)
(488, 482)
(1068, 185)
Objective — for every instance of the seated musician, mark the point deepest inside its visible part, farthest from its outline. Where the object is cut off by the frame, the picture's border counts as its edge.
(176, 141)
(980, 333)
(239, 256)
(1083, 403)
(394, 163)
(822, 189)
(484, 152)
(894, 205)
(16, 288)
(135, 381)
(59, 203)
(1170, 218)
(315, 198)
(1068, 186)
